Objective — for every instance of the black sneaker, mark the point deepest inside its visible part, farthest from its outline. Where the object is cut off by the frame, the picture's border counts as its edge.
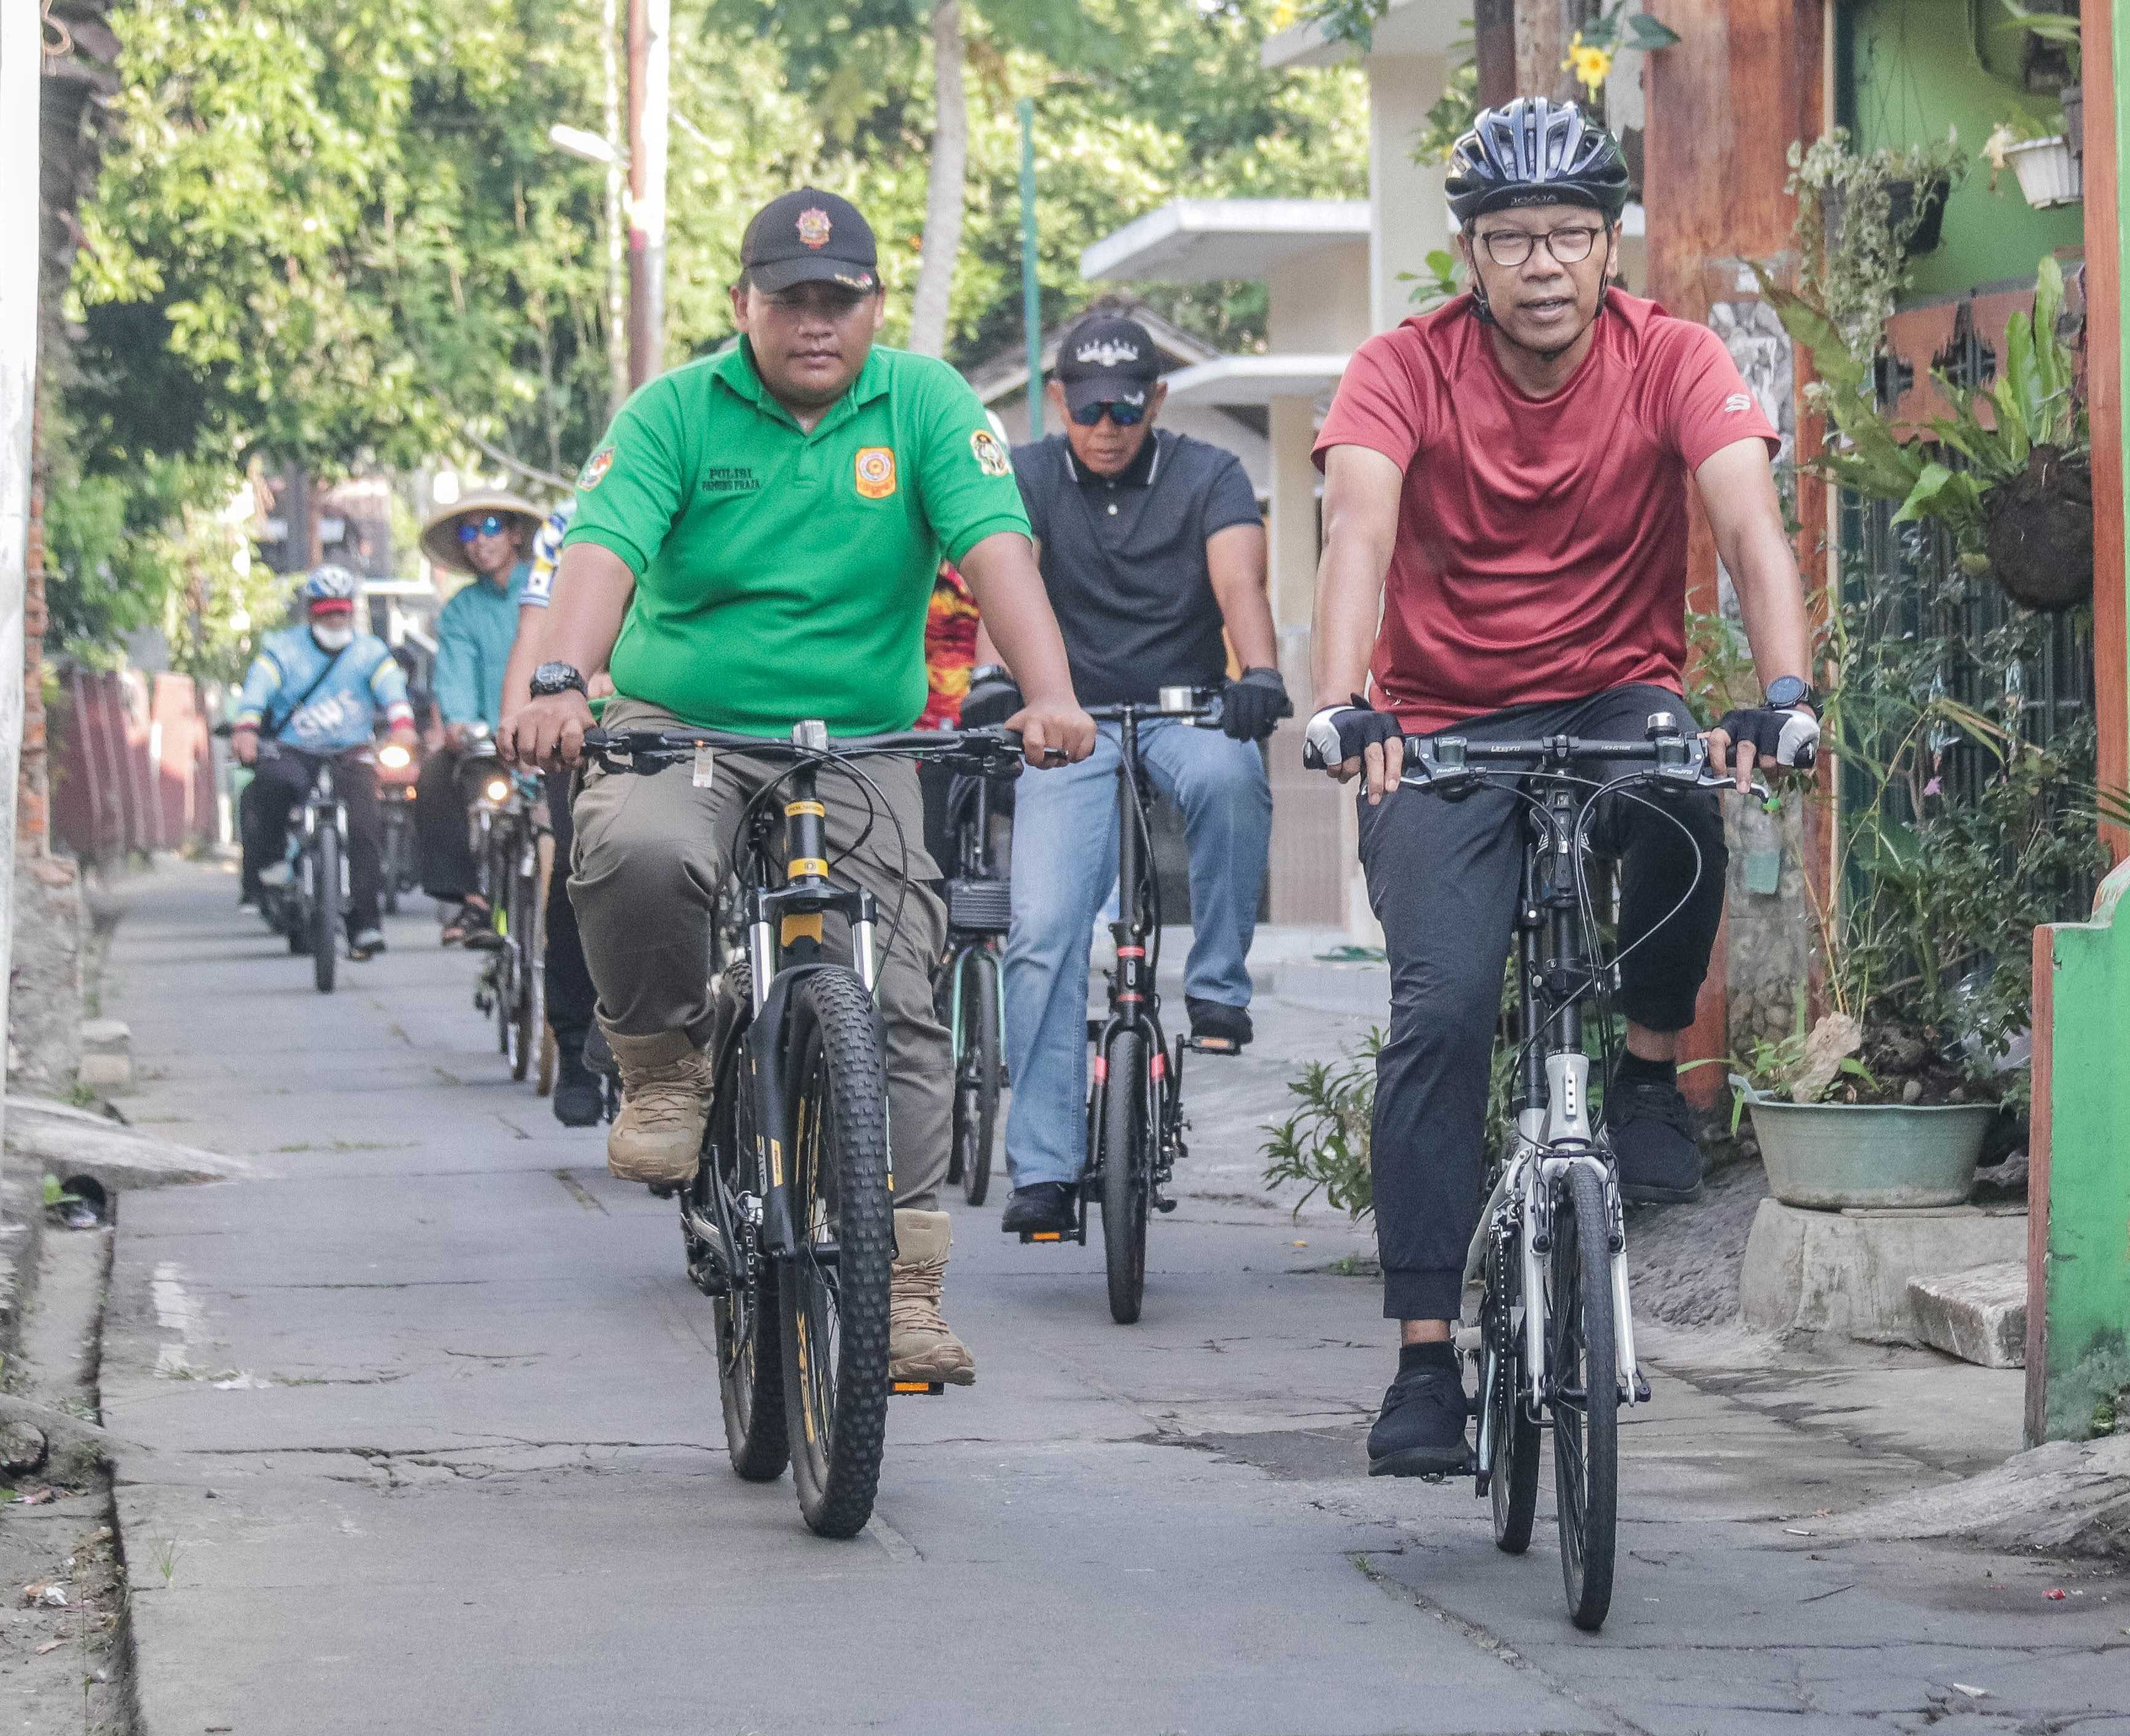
(1420, 1429)
(1651, 1129)
(365, 943)
(579, 1093)
(1041, 1208)
(1218, 1025)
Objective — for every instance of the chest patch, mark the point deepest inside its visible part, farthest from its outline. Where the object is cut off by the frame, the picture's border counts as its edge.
(875, 471)
(730, 479)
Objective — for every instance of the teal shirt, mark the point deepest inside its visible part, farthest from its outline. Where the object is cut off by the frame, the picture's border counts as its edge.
(474, 636)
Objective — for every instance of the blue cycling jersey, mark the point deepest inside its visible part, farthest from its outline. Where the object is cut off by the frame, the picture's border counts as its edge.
(362, 685)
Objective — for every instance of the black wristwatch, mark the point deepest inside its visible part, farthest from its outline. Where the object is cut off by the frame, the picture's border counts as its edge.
(990, 672)
(1785, 693)
(551, 679)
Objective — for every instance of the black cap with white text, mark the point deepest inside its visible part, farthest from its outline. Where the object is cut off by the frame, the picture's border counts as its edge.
(1107, 359)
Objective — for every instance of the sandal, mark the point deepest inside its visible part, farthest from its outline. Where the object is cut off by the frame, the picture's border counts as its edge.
(474, 917)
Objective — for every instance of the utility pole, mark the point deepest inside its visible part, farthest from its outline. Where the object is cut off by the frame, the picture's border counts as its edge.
(1031, 292)
(616, 242)
(21, 67)
(650, 60)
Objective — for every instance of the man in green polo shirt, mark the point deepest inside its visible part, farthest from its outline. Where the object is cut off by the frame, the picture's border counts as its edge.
(754, 545)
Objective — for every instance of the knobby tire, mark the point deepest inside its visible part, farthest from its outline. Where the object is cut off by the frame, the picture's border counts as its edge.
(976, 1071)
(747, 1317)
(1127, 1174)
(1585, 1434)
(836, 1318)
(325, 908)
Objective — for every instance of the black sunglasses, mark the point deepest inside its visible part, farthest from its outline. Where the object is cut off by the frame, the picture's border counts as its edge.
(495, 524)
(1124, 416)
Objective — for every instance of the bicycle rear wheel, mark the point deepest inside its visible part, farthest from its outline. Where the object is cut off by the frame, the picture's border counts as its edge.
(1585, 1375)
(528, 1008)
(750, 1358)
(325, 908)
(1127, 1174)
(835, 1287)
(1512, 1456)
(977, 1069)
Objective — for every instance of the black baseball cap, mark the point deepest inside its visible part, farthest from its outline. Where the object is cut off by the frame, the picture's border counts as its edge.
(810, 236)
(1107, 359)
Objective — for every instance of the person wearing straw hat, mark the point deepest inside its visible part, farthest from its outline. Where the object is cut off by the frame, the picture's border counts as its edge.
(487, 534)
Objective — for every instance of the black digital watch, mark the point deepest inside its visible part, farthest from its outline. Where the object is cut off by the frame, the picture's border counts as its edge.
(551, 679)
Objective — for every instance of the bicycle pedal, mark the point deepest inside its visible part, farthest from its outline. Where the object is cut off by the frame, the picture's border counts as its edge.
(1164, 1205)
(915, 1389)
(1028, 1236)
(1214, 1046)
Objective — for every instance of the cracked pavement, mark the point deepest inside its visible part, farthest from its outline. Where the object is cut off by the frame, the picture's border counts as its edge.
(436, 1447)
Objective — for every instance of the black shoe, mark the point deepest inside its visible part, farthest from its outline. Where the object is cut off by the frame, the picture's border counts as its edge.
(1651, 1129)
(579, 1093)
(599, 1055)
(1218, 1024)
(1042, 1208)
(1420, 1429)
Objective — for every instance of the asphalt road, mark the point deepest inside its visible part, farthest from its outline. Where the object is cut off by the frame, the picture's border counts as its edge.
(436, 1448)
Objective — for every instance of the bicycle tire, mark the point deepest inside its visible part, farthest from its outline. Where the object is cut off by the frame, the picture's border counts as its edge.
(1127, 1175)
(1581, 1354)
(836, 1324)
(976, 1075)
(528, 1005)
(746, 1318)
(388, 866)
(502, 974)
(1512, 1468)
(325, 908)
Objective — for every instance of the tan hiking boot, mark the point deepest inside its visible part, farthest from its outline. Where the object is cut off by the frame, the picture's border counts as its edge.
(920, 1346)
(665, 1080)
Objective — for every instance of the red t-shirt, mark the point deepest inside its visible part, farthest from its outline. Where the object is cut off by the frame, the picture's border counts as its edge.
(1541, 543)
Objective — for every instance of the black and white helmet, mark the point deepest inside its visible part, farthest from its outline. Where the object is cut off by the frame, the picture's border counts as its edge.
(1535, 151)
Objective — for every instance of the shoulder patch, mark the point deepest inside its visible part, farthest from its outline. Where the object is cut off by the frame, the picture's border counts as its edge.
(875, 472)
(596, 466)
(990, 454)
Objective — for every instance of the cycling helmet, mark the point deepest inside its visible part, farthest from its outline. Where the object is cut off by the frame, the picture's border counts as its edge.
(1535, 151)
(330, 583)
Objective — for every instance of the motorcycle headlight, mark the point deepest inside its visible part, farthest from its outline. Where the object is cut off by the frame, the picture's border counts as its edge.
(392, 757)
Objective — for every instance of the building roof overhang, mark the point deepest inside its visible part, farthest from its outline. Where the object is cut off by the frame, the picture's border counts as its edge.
(1231, 382)
(1406, 27)
(1198, 241)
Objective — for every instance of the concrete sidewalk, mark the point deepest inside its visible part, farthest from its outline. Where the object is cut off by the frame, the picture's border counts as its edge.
(436, 1447)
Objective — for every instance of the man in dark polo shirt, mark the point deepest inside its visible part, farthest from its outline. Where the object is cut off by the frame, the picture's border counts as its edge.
(1150, 544)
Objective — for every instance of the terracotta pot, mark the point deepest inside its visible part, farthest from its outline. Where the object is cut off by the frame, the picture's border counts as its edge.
(2037, 530)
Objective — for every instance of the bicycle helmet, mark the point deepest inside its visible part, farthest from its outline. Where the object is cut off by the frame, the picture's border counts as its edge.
(329, 583)
(1535, 151)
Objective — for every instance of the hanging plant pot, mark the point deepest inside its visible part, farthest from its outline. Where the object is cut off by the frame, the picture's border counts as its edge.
(2074, 108)
(2037, 530)
(2049, 174)
(1925, 211)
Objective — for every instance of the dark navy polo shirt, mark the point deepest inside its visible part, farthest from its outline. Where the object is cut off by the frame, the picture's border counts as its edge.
(1124, 559)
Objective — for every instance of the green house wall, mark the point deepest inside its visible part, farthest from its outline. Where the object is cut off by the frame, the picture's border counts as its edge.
(1908, 69)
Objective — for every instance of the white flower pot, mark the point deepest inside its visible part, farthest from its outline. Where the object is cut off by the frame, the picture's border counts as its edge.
(2049, 174)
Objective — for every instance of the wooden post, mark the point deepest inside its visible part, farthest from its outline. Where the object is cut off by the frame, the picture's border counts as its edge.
(2105, 381)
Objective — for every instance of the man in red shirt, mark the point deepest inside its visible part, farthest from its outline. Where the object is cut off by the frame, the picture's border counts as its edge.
(1505, 485)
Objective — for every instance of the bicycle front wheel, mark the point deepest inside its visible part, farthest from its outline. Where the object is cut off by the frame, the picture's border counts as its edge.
(750, 1360)
(1585, 1375)
(978, 1066)
(835, 1288)
(1512, 1448)
(1127, 1174)
(325, 908)
(528, 1003)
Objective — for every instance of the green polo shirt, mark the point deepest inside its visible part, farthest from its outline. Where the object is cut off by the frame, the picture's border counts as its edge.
(782, 575)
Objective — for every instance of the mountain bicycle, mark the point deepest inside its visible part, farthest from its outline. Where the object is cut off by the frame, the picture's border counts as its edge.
(1546, 1312)
(1135, 1119)
(308, 908)
(979, 912)
(514, 852)
(789, 1226)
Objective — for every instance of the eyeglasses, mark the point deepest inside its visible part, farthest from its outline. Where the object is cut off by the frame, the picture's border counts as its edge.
(1124, 416)
(494, 525)
(1513, 247)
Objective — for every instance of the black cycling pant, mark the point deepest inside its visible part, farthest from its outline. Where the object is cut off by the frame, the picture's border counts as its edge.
(1442, 879)
(571, 998)
(440, 840)
(280, 782)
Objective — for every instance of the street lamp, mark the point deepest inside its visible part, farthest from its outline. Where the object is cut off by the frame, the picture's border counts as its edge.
(575, 141)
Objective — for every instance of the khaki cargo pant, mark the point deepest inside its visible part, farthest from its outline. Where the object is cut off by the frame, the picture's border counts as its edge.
(650, 855)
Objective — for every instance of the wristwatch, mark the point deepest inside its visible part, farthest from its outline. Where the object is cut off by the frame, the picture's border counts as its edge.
(551, 679)
(1785, 693)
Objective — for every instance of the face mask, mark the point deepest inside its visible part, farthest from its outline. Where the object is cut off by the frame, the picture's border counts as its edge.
(333, 638)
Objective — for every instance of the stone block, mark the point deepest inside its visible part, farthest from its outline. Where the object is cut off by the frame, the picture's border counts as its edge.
(1848, 1271)
(107, 1055)
(1978, 1315)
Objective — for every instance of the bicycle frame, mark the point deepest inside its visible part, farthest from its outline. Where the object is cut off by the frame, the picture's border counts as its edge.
(974, 862)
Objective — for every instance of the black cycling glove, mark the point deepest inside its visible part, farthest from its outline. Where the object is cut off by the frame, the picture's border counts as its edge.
(992, 698)
(1339, 733)
(1788, 737)
(1251, 704)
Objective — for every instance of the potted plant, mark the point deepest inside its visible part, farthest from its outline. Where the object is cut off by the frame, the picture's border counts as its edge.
(1863, 216)
(2044, 148)
(1956, 836)
(2020, 506)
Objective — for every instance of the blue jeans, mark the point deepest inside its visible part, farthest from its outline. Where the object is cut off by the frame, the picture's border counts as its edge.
(1065, 866)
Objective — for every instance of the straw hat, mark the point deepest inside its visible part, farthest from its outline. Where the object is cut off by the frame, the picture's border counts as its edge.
(440, 536)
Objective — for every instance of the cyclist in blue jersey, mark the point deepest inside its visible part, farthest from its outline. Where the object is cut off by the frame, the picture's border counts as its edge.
(318, 692)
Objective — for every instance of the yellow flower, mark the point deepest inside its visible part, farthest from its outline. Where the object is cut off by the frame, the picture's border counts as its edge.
(1593, 66)
(1282, 15)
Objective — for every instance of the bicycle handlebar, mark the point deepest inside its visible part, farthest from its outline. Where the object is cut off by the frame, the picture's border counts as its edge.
(996, 752)
(1445, 762)
(1201, 706)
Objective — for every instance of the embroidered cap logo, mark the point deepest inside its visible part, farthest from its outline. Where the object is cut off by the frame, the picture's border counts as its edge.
(813, 226)
(1106, 354)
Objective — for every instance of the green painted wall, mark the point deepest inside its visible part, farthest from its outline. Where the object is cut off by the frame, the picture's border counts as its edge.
(1910, 71)
(2089, 1205)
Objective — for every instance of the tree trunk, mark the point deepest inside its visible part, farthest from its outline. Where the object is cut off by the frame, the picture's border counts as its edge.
(1544, 28)
(944, 194)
